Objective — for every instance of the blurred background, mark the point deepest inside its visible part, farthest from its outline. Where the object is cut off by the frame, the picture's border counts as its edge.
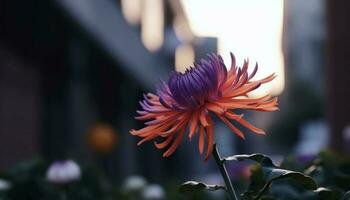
(72, 73)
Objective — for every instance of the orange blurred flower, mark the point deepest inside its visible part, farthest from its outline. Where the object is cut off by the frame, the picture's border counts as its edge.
(102, 138)
(187, 100)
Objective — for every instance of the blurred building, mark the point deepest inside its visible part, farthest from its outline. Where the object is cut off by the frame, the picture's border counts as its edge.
(302, 102)
(66, 66)
(304, 42)
(63, 69)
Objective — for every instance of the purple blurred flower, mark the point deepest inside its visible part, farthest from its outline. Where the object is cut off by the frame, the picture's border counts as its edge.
(153, 192)
(63, 172)
(134, 184)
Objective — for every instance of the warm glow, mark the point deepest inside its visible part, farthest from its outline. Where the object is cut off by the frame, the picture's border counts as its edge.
(152, 24)
(131, 10)
(248, 28)
(184, 57)
(182, 29)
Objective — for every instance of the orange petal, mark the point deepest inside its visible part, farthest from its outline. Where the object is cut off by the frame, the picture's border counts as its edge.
(149, 130)
(183, 119)
(201, 140)
(215, 108)
(245, 100)
(202, 118)
(233, 63)
(164, 118)
(175, 144)
(233, 116)
(270, 109)
(269, 105)
(210, 137)
(242, 80)
(151, 137)
(242, 90)
(268, 79)
(193, 124)
(250, 126)
(232, 127)
(165, 143)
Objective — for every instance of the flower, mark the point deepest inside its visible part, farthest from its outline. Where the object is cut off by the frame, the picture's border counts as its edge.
(153, 192)
(102, 138)
(135, 183)
(63, 172)
(187, 99)
(5, 185)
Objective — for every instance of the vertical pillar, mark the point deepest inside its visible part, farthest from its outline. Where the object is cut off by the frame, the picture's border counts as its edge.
(338, 69)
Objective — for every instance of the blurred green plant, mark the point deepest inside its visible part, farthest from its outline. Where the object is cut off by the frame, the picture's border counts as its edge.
(28, 181)
(325, 177)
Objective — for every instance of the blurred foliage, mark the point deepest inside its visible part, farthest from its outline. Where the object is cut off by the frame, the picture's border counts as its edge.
(28, 182)
(325, 177)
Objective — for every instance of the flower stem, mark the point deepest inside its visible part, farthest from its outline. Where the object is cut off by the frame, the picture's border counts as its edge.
(224, 174)
(265, 189)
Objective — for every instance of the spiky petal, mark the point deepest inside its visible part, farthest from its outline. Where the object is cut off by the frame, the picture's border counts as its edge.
(187, 99)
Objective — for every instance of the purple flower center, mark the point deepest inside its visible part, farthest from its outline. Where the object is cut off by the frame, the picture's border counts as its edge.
(198, 84)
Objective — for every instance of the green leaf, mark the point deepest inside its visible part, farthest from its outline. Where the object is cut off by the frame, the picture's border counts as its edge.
(328, 194)
(262, 159)
(193, 186)
(272, 174)
(322, 189)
